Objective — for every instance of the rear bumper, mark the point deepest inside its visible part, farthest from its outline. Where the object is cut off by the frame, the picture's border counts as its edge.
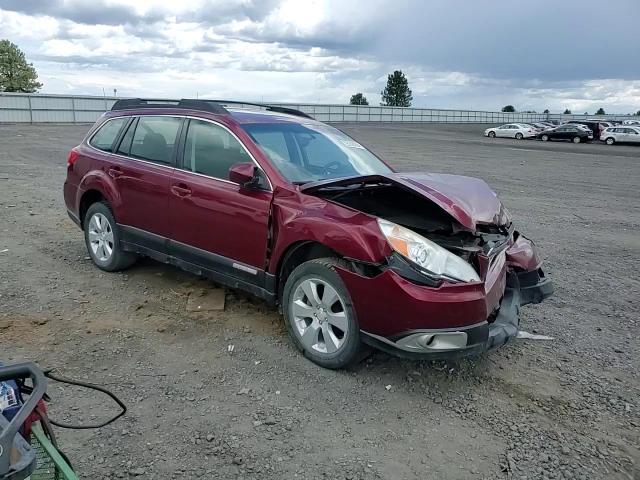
(447, 343)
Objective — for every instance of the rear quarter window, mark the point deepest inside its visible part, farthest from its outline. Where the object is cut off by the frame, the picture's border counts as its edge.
(106, 135)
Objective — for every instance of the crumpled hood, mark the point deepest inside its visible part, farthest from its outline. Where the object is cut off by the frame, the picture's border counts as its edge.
(468, 200)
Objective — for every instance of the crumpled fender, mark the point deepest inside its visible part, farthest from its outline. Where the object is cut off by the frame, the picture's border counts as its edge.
(523, 254)
(349, 233)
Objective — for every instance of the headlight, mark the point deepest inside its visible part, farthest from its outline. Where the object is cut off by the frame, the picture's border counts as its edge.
(426, 254)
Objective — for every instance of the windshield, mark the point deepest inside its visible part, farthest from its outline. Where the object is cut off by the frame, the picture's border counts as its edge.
(310, 152)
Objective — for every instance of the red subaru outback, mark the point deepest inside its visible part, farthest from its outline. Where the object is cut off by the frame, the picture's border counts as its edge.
(296, 212)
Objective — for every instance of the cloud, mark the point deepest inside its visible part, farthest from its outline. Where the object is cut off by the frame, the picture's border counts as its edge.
(455, 53)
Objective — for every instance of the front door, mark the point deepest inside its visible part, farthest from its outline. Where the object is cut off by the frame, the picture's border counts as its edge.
(214, 222)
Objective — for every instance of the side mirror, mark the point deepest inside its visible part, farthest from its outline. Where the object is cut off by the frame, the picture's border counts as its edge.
(245, 174)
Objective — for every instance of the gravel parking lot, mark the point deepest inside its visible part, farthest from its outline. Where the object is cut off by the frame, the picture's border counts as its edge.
(566, 408)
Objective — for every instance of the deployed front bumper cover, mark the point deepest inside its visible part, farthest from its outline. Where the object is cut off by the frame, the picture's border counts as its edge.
(474, 339)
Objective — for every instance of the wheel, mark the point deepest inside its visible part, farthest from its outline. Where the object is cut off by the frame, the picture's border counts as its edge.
(103, 239)
(492, 134)
(319, 314)
(519, 136)
(576, 140)
(610, 141)
(545, 138)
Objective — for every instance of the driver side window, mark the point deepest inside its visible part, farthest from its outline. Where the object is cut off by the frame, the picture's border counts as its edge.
(211, 150)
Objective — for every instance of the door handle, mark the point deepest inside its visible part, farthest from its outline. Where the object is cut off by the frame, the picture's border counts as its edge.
(181, 190)
(115, 172)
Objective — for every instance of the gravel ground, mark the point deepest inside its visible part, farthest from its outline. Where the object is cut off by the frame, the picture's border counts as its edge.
(561, 409)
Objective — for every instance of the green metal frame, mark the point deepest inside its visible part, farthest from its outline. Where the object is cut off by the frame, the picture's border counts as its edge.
(63, 470)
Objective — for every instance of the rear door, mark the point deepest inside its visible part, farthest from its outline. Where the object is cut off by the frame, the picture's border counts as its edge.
(141, 168)
(216, 223)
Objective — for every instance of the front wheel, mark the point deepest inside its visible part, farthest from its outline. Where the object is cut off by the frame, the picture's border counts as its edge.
(609, 141)
(319, 314)
(577, 139)
(545, 138)
(519, 136)
(103, 239)
(492, 134)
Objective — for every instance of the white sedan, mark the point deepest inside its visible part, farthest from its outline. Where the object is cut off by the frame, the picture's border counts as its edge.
(621, 133)
(511, 130)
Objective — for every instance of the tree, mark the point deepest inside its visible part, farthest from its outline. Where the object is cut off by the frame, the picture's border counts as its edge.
(16, 75)
(638, 113)
(358, 99)
(397, 92)
(567, 112)
(546, 110)
(600, 111)
(508, 109)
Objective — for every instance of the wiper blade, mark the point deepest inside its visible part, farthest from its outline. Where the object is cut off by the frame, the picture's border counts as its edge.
(355, 187)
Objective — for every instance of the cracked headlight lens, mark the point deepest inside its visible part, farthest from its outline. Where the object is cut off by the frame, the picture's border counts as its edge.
(427, 255)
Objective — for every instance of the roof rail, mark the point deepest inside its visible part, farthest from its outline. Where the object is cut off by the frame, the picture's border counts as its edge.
(268, 107)
(185, 103)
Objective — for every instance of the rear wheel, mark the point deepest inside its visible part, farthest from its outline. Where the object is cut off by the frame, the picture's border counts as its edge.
(545, 138)
(492, 134)
(577, 139)
(610, 141)
(519, 136)
(103, 239)
(319, 314)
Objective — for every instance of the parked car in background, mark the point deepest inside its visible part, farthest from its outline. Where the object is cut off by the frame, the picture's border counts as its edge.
(621, 134)
(573, 133)
(596, 126)
(631, 122)
(543, 126)
(300, 214)
(511, 130)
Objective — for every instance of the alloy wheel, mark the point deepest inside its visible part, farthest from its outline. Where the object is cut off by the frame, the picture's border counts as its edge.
(576, 139)
(610, 141)
(101, 237)
(319, 316)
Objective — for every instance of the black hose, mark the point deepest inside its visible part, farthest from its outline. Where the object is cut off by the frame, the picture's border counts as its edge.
(91, 386)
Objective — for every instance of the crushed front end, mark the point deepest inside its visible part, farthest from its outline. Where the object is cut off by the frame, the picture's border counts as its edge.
(410, 307)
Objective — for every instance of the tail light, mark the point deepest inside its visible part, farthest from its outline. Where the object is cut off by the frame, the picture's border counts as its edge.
(71, 159)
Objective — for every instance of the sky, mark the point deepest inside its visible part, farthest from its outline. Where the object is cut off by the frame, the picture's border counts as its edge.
(471, 54)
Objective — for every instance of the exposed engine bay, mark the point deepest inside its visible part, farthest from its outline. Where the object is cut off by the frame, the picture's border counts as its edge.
(414, 211)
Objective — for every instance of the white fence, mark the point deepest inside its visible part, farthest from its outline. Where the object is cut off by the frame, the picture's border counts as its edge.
(40, 108)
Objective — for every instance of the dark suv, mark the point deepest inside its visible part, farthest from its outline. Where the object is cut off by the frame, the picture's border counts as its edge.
(296, 212)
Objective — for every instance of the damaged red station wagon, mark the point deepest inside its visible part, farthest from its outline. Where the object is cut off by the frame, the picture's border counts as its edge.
(296, 212)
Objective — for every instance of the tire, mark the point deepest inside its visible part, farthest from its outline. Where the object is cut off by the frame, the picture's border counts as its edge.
(305, 306)
(101, 235)
(545, 138)
(519, 136)
(492, 134)
(610, 141)
(576, 140)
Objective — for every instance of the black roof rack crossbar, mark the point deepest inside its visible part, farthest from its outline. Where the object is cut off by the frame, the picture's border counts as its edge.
(268, 107)
(212, 106)
(185, 103)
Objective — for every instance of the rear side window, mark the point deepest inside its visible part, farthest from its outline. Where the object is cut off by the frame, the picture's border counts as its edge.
(106, 135)
(155, 138)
